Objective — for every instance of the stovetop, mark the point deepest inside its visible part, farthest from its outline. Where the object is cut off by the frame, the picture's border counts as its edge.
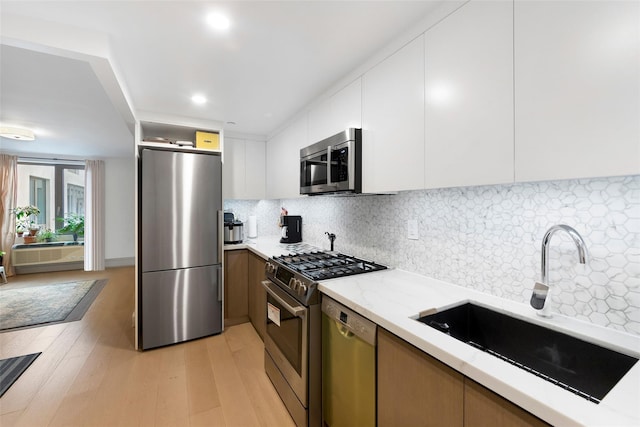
(298, 273)
(326, 265)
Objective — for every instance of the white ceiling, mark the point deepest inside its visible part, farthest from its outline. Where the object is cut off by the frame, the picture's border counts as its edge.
(63, 102)
(277, 57)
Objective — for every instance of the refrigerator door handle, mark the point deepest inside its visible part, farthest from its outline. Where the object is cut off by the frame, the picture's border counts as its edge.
(220, 284)
(220, 236)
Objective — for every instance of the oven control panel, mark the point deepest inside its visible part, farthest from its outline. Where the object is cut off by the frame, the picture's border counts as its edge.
(295, 284)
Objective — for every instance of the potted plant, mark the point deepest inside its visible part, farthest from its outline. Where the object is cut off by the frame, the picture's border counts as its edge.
(28, 239)
(73, 223)
(33, 229)
(2, 254)
(23, 213)
(46, 235)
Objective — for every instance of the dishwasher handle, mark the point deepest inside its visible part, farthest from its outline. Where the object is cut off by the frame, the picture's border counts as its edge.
(349, 322)
(344, 330)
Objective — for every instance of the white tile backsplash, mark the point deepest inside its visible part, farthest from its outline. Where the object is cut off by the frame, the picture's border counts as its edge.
(489, 238)
(267, 213)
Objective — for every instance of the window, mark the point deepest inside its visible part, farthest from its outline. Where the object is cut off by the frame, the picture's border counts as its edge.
(75, 199)
(38, 197)
(56, 189)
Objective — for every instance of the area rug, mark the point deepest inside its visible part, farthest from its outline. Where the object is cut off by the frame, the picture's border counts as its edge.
(28, 305)
(12, 368)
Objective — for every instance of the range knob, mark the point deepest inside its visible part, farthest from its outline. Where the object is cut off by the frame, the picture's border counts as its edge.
(302, 289)
(269, 268)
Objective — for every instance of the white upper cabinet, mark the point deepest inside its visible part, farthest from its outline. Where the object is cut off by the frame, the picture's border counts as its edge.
(393, 122)
(233, 168)
(469, 96)
(243, 172)
(283, 161)
(255, 170)
(577, 79)
(341, 111)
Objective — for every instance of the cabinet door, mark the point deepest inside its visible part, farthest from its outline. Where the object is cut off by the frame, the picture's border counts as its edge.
(341, 111)
(393, 122)
(255, 173)
(257, 294)
(469, 96)
(577, 89)
(414, 389)
(482, 407)
(244, 175)
(233, 169)
(236, 303)
(283, 161)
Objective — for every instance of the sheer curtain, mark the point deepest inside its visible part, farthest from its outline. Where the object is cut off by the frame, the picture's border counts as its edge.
(94, 215)
(8, 196)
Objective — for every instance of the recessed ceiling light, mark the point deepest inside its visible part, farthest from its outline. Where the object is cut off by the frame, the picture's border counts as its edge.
(199, 99)
(17, 133)
(218, 21)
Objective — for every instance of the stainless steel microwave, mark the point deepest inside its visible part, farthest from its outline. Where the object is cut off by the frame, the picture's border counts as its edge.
(332, 165)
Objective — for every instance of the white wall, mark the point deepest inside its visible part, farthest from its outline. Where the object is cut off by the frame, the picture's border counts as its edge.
(119, 206)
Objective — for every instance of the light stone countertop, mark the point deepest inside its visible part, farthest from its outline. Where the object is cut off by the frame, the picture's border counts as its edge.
(269, 246)
(393, 298)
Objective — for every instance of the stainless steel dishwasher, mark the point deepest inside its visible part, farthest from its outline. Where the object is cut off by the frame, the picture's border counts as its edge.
(348, 367)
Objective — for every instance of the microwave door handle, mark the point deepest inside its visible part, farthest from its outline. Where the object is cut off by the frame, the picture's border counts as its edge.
(297, 311)
(328, 187)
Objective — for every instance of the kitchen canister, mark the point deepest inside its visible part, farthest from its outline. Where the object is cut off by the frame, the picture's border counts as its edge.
(252, 227)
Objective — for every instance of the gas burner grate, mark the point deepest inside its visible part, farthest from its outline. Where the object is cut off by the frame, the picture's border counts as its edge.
(318, 265)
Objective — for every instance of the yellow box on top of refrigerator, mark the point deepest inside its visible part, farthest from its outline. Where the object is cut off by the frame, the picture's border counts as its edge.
(207, 140)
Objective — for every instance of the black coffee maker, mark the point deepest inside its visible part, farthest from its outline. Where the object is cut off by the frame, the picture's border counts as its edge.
(291, 229)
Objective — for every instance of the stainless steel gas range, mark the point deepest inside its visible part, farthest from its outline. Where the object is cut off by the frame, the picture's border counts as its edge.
(293, 353)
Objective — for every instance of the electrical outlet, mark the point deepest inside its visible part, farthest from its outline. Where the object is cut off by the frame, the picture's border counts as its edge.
(412, 229)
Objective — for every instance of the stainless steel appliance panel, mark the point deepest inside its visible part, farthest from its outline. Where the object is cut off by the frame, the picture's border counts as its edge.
(180, 305)
(233, 232)
(296, 409)
(180, 196)
(332, 165)
(287, 338)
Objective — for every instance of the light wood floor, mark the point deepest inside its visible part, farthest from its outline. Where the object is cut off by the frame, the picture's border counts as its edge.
(90, 375)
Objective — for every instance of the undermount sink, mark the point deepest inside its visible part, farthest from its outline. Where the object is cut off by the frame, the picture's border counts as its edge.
(586, 369)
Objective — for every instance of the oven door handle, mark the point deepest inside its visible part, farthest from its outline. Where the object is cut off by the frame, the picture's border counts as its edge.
(297, 311)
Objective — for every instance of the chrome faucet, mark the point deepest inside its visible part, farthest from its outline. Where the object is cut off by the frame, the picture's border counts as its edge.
(331, 237)
(541, 289)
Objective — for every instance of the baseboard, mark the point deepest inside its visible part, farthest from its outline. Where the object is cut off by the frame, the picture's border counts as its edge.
(45, 268)
(119, 262)
(76, 265)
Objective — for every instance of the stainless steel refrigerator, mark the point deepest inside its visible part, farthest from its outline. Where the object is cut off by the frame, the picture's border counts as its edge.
(180, 250)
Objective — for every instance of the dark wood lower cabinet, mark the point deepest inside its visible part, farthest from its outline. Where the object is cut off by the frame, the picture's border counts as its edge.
(236, 306)
(257, 294)
(414, 389)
